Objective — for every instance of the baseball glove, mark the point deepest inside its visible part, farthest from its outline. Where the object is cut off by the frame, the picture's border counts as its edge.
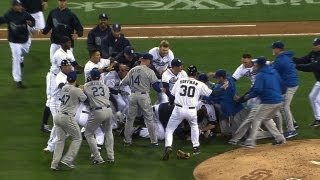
(182, 155)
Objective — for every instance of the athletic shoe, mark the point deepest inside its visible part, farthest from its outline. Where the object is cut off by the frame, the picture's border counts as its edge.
(290, 134)
(316, 123)
(126, 144)
(275, 143)
(233, 142)
(246, 145)
(69, 165)
(20, 85)
(295, 125)
(196, 151)
(154, 145)
(166, 154)
(55, 168)
(48, 150)
(97, 162)
(110, 161)
(45, 128)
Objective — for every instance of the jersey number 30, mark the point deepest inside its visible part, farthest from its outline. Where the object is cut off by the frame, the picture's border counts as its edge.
(98, 91)
(187, 91)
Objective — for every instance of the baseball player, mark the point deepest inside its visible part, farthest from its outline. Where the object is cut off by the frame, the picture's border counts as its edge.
(98, 96)
(207, 119)
(139, 79)
(311, 63)
(186, 92)
(65, 123)
(96, 34)
(268, 87)
(62, 22)
(162, 56)
(18, 36)
(288, 73)
(128, 57)
(63, 53)
(170, 77)
(55, 100)
(35, 8)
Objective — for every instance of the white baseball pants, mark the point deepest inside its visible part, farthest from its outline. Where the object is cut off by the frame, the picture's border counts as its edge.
(314, 98)
(18, 51)
(40, 22)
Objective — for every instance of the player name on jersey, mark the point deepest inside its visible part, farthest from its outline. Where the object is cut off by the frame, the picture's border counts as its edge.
(184, 81)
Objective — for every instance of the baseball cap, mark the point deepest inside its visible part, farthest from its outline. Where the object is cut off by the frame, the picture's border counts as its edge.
(103, 16)
(277, 44)
(192, 70)
(116, 27)
(128, 50)
(220, 73)
(147, 56)
(316, 42)
(95, 74)
(64, 39)
(176, 62)
(65, 62)
(72, 76)
(203, 77)
(260, 60)
(15, 2)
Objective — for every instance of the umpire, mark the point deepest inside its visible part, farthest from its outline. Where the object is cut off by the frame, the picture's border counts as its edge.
(99, 32)
(311, 63)
(62, 22)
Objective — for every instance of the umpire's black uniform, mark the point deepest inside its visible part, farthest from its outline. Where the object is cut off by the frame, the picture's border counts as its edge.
(63, 23)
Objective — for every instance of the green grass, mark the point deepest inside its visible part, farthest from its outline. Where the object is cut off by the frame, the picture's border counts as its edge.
(21, 144)
(265, 10)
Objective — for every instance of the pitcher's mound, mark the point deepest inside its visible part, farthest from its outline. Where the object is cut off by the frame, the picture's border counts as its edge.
(293, 160)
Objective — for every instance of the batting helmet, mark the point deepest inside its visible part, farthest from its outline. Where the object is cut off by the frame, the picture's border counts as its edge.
(192, 70)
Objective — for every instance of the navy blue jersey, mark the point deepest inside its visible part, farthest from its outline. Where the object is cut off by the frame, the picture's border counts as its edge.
(17, 25)
(95, 37)
(112, 46)
(63, 23)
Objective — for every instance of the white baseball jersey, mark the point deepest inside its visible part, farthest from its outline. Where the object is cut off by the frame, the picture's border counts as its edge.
(171, 79)
(112, 80)
(210, 110)
(161, 63)
(60, 78)
(187, 91)
(245, 72)
(58, 56)
(90, 65)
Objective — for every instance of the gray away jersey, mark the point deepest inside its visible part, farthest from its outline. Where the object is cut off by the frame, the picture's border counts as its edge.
(140, 78)
(97, 93)
(71, 97)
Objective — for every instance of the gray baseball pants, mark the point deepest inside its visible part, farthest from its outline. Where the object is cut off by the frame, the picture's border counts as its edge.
(103, 117)
(65, 124)
(140, 101)
(285, 110)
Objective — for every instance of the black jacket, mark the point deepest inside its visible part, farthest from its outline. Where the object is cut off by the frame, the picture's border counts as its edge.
(112, 46)
(33, 6)
(17, 25)
(309, 63)
(95, 37)
(62, 23)
(122, 60)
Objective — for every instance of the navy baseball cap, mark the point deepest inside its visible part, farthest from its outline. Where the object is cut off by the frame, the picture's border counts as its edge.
(203, 77)
(260, 60)
(128, 50)
(95, 74)
(147, 56)
(103, 16)
(16, 2)
(176, 62)
(65, 62)
(116, 27)
(220, 73)
(72, 76)
(316, 42)
(277, 44)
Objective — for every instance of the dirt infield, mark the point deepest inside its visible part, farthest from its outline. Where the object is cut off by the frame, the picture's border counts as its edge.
(213, 29)
(296, 159)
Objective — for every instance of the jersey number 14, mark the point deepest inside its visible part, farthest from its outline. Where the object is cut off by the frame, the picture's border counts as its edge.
(135, 80)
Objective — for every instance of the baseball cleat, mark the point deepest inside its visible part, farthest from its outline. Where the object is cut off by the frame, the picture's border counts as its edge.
(20, 85)
(290, 134)
(69, 165)
(97, 162)
(295, 125)
(48, 150)
(110, 161)
(166, 154)
(154, 145)
(233, 142)
(278, 142)
(196, 151)
(45, 128)
(316, 123)
(247, 145)
(55, 168)
(22, 65)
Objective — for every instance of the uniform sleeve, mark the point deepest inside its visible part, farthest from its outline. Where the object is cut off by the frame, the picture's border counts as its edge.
(105, 62)
(303, 60)
(126, 80)
(49, 24)
(90, 41)
(81, 95)
(175, 88)
(72, 59)
(30, 18)
(60, 80)
(165, 77)
(171, 57)
(77, 25)
(205, 91)
(153, 77)
(153, 53)
(238, 74)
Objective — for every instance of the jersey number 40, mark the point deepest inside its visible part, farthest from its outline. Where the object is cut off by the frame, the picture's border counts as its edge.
(187, 91)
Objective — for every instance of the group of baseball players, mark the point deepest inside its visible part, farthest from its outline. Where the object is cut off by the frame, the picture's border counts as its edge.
(118, 82)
